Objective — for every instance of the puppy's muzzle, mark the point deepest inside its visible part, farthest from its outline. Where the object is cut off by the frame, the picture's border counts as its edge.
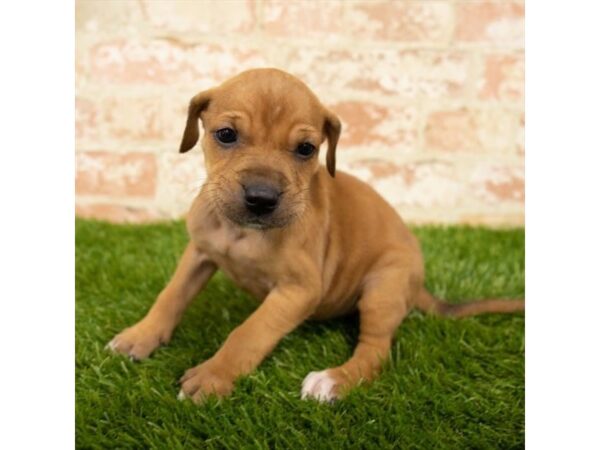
(261, 199)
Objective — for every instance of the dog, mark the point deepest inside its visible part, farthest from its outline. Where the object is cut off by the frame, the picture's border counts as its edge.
(307, 241)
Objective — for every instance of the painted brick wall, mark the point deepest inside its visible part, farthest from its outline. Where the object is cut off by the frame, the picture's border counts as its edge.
(430, 93)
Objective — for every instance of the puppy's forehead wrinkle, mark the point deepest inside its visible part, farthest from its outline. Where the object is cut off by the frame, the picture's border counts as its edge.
(270, 95)
(233, 115)
(307, 129)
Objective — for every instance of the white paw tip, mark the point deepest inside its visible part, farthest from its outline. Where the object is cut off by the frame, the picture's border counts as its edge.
(320, 386)
(181, 396)
(110, 346)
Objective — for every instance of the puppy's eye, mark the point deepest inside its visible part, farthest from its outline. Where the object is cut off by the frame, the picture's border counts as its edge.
(226, 136)
(305, 150)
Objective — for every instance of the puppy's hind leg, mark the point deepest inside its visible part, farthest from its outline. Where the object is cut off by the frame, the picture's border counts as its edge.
(382, 307)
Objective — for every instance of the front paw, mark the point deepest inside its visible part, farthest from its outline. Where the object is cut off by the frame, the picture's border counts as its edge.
(140, 340)
(204, 380)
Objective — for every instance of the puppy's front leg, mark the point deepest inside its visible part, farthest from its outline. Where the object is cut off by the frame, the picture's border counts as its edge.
(192, 273)
(284, 309)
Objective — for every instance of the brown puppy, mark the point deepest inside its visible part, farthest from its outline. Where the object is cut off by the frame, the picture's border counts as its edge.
(306, 243)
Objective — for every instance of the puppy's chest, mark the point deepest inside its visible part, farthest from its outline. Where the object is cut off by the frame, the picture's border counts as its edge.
(243, 255)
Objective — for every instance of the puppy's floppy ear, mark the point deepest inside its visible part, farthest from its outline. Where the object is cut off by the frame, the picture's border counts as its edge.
(191, 133)
(332, 129)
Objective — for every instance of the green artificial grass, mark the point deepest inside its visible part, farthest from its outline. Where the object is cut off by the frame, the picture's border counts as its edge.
(450, 383)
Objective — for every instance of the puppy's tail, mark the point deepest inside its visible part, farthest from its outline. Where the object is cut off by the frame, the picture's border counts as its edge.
(432, 305)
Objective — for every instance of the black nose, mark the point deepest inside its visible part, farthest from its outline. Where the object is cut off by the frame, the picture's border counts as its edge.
(261, 199)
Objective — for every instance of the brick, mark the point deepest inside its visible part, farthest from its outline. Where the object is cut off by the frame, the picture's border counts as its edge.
(503, 78)
(369, 124)
(303, 19)
(181, 176)
(451, 130)
(115, 213)
(86, 115)
(407, 73)
(131, 121)
(509, 187)
(137, 119)
(470, 130)
(199, 17)
(520, 141)
(98, 16)
(169, 61)
(81, 69)
(372, 169)
(399, 21)
(422, 184)
(495, 183)
(104, 173)
(491, 22)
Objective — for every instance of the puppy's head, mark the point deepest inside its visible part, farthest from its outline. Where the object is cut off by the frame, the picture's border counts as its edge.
(263, 130)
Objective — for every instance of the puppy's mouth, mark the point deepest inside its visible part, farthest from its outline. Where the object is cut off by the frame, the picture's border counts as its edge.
(258, 222)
